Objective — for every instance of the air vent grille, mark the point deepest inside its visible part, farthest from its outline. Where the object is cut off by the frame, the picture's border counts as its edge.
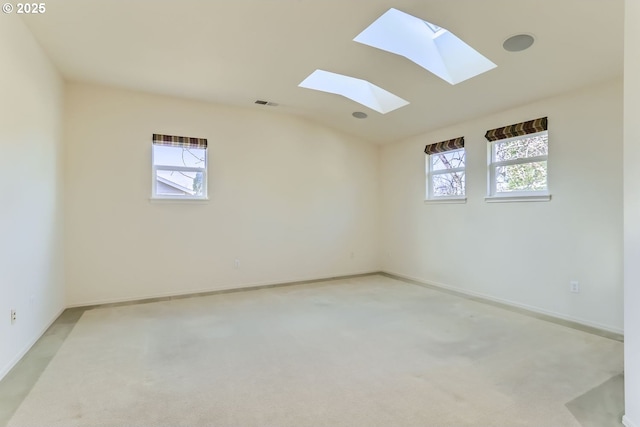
(268, 103)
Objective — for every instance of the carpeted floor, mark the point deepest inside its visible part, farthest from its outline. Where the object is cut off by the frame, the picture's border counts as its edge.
(369, 351)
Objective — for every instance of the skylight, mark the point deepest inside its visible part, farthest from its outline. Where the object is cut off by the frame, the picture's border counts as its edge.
(428, 45)
(360, 91)
(433, 27)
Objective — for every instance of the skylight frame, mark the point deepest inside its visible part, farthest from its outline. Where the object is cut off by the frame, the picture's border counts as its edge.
(361, 91)
(435, 28)
(428, 45)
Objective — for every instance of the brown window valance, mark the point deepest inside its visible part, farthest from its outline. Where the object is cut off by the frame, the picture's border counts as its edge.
(518, 129)
(179, 141)
(441, 147)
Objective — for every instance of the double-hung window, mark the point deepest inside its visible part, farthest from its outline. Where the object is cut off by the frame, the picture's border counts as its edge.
(445, 170)
(518, 155)
(179, 167)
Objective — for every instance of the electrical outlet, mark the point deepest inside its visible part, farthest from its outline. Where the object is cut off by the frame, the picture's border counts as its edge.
(574, 286)
(236, 263)
(13, 316)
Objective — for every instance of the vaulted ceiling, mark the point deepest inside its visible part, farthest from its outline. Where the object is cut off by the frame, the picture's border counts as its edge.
(234, 52)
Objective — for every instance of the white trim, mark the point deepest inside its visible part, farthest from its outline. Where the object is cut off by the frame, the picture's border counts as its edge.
(6, 369)
(446, 171)
(178, 199)
(180, 168)
(603, 327)
(445, 200)
(627, 422)
(223, 288)
(520, 160)
(520, 198)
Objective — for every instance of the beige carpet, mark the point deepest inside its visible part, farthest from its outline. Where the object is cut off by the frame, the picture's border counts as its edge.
(370, 351)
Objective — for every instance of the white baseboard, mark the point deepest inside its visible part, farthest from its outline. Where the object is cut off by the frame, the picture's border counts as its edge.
(117, 300)
(628, 423)
(5, 370)
(525, 307)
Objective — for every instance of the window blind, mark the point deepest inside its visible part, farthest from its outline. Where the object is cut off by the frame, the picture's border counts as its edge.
(441, 147)
(179, 141)
(517, 129)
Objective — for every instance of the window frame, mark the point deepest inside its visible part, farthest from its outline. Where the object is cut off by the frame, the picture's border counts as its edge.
(430, 172)
(492, 192)
(154, 182)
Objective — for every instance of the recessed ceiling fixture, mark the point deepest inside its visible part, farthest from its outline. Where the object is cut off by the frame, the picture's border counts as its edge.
(269, 103)
(359, 115)
(358, 90)
(518, 42)
(430, 46)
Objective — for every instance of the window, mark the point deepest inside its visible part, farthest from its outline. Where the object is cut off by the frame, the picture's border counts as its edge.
(445, 168)
(518, 159)
(179, 167)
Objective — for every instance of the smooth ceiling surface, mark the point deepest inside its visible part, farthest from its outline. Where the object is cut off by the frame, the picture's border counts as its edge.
(236, 51)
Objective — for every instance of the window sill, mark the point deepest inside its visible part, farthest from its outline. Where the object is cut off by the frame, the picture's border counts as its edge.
(177, 200)
(456, 200)
(511, 199)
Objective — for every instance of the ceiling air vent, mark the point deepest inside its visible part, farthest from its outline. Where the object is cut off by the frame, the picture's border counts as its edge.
(270, 104)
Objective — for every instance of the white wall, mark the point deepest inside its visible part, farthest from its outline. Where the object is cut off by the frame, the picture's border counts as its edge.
(289, 198)
(31, 275)
(632, 213)
(521, 253)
